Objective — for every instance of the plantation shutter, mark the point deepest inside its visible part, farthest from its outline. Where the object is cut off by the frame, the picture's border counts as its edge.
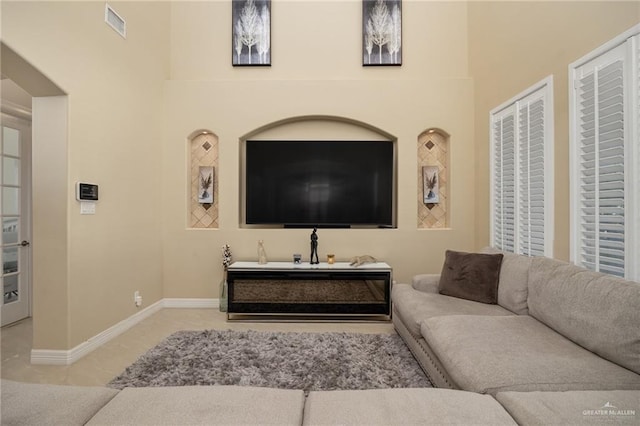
(531, 176)
(522, 173)
(600, 110)
(504, 180)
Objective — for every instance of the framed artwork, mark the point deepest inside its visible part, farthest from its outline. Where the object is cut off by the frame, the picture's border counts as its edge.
(251, 33)
(430, 185)
(381, 32)
(205, 185)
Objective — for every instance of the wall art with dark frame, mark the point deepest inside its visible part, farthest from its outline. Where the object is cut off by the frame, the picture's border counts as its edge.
(251, 33)
(381, 32)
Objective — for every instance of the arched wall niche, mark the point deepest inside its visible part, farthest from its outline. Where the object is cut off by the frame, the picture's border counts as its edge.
(433, 179)
(203, 180)
(314, 127)
(318, 127)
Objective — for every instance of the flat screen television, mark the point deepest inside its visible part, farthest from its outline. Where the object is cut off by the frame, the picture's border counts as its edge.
(326, 184)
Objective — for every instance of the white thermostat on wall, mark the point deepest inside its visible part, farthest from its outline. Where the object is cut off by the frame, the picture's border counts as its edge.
(86, 191)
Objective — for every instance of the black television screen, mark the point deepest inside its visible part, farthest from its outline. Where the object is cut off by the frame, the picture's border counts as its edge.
(319, 183)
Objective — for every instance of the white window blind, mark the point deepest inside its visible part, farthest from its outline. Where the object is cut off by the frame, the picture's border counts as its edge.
(504, 189)
(601, 169)
(531, 178)
(604, 158)
(522, 173)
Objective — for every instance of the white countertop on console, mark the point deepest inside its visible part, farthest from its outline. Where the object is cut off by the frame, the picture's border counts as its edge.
(306, 266)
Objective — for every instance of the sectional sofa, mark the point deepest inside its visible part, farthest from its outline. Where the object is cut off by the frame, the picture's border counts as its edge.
(557, 333)
(38, 404)
(561, 345)
(555, 327)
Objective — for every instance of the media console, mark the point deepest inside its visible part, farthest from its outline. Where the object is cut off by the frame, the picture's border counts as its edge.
(327, 291)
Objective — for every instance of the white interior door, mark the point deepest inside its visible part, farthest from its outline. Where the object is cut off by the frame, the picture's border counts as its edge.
(15, 193)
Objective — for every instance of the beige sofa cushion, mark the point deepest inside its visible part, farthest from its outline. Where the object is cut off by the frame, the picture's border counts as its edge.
(415, 306)
(403, 407)
(38, 404)
(599, 312)
(489, 354)
(203, 405)
(426, 282)
(514, 281)
(573, 408)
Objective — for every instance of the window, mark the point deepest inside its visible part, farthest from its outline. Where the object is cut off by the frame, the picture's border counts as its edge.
(522, 172)
(605, 166)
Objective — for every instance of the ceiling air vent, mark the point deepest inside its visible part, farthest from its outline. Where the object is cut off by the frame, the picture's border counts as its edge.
(115, 21)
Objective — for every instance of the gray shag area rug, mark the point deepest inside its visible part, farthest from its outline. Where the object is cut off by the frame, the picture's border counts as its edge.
(307, 361)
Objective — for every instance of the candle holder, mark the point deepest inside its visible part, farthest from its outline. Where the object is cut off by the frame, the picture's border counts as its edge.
(331, 258)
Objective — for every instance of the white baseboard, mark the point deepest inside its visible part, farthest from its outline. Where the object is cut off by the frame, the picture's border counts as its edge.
(191, 303)
(67, 357)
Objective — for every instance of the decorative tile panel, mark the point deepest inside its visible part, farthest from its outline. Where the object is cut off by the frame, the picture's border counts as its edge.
(204, 152)
(433, 150)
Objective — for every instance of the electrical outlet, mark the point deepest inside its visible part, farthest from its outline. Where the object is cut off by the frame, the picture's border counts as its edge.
(137, 299)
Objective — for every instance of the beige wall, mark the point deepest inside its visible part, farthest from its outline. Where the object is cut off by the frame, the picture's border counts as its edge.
(316, 70)
(132, 105)
(50, 239)
(513, 45)
(120, 138)
(86, 268)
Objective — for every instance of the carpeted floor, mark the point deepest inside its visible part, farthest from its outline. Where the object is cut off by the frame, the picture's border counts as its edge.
(307, 361)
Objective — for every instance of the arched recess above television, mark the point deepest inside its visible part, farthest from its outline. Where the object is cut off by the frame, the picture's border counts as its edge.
(318, 171)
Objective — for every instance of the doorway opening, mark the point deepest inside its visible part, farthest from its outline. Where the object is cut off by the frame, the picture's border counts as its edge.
(15, 203)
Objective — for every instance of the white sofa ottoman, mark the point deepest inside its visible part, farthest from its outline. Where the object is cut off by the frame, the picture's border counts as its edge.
(423, 406)
(203, 405)
(616, 407)
(40, 404)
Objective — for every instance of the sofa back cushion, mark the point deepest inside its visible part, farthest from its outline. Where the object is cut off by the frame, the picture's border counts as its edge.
(514, 281)
(599, 312)
(471, 276)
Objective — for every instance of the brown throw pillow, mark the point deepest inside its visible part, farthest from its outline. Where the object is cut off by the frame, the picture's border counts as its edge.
(471, 276)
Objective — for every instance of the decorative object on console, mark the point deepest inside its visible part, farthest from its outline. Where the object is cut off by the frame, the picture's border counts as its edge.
(251, 34)
(205, 189)
(226, 262)
(297, 258)
(361, 260)
(262, 254)
(331, 259)
(381, 32)
(471, 276)
(227, 258)
(314, 247)
(430, 184)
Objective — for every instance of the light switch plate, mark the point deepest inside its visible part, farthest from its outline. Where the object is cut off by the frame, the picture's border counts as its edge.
(87, 207)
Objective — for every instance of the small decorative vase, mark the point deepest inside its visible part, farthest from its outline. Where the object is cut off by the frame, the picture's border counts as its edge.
(262, 254)
(223, 294)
